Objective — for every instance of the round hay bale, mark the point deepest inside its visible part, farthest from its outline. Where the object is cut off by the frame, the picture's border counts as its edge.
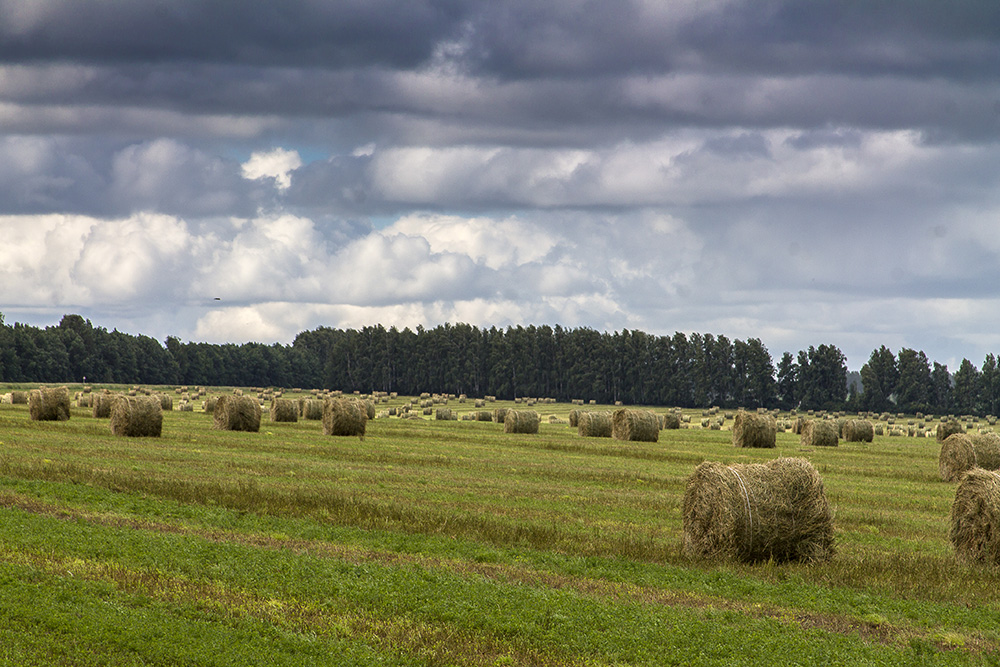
(208, 405)
(312, 408)
(752, 429)
(445, 414)
(757, 511)
(594, 424)
(19, 398)
(49, 404)
(819, 433)
(858, 430)
(961, 452)
(574, 417)
(500, 415)
(137, 416)
(635, 425)
(166, 402)
(344, 417)
(237, 413)
(948, 428)
(521, 421)
(975, 517)
(369, 407)
(670, 421)
(284, 410)
(83, 401)
(483, 415)
(100, 405)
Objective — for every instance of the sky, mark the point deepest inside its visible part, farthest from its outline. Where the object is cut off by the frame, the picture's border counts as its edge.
(804, 173)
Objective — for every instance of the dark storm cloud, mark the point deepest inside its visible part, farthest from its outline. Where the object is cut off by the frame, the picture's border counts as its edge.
(284, 32)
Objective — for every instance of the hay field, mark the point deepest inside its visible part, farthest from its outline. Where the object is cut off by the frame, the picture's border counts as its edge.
(450, 542)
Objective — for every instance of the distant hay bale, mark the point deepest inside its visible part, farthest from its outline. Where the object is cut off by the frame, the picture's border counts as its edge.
(757, 511)
(137, 416)
(483, 415)
(166, 402)
(445, 414)
(49, 404)
(83, 401)
(480, 403)
(312, 408)
(237, 413)
(574, 417)
(284, 410)
(752, 429)
(961, 452)
(185, 407)
(947, 428)
(344, 417)
(635, 425)
(19, 398)
(500, 415)
(369, 407)
(521, 421)
(798, 424)
(594, 424)
(100, 405)
(208, 405)
(819, 433)
(670, 421)
(858, 430)
(975, 517)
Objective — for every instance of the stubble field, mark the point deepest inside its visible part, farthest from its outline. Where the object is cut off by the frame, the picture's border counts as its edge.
(453, 543)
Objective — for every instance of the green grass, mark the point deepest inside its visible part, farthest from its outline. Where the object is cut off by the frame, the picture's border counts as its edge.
(440, 543)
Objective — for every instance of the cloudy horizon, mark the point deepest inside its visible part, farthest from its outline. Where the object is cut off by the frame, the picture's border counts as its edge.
(801, 173)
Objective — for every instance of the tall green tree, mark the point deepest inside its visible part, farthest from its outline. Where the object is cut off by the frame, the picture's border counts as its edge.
(878, 381)
(914, 388)
(965, 393)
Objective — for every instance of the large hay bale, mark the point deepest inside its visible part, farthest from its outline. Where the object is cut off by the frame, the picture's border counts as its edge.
(757, 511)
(500, 415)
(19, 397)
(521, 421)
(961, 452)
(483, 415)
(445, 414)
(284, 410)
(751, 429)
(166, 402)
(594, 424)
(858, 430)
(49, 404)
(137, 416)
(237, 413)
(947, 428)
(635, 425)
(344, 416)
(975, 517)
(670, 421)
(819, 433)
(574, 417)
(208, 405)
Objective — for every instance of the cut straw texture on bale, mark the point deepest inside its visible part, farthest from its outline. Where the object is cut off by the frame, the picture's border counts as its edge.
(137, 416)
(344, 416)
(521, 421)
(284, 410)
(635, 425)
(960, 452)
(858, 430)
(819, 433)
(311, 408)
(975, 517)
(49, 404)
(671, 421)
(594, 424)
(751, 429)
(757, 511)
(237, 413)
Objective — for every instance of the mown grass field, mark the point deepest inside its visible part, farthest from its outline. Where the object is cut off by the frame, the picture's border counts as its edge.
(451, 543)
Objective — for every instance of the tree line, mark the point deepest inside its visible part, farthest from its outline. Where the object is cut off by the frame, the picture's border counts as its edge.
(686, 370)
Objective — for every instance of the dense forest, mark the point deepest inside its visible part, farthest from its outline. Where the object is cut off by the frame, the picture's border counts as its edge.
(693, 370)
